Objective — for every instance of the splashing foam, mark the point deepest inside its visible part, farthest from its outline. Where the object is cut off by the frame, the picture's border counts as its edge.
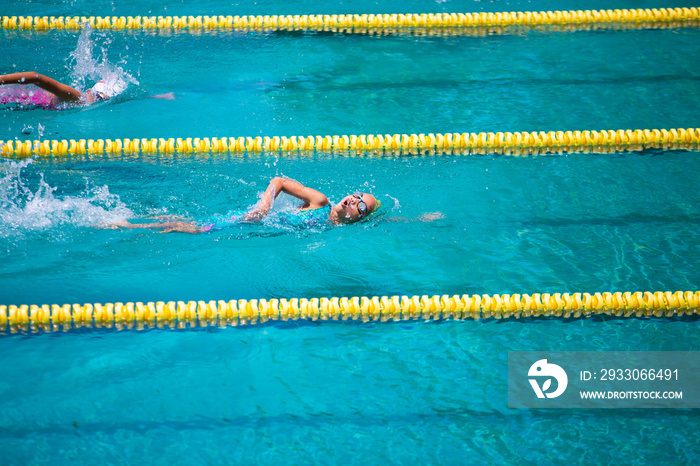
(25, 209)
(396, 202)
(89, 69)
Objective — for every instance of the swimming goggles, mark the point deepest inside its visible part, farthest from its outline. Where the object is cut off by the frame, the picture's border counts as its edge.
(361, 206)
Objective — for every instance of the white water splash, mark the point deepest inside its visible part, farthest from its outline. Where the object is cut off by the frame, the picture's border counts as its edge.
(24, 208)
(29, 129)
(396, 203)
(87, 68)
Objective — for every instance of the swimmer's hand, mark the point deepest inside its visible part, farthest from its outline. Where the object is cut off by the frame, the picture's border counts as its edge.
(168, 96)
(254, 215)
(426, 217)
(431, 216)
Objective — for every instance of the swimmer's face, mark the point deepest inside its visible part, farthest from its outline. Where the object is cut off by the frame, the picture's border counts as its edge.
(92, 95)
(355, 207)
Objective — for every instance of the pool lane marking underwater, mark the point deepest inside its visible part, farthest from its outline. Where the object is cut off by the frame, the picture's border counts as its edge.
(421, 22)
(518, 143)
(180, 314)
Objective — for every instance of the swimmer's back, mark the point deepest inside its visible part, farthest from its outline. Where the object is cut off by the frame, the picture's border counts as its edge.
(308, 218)
(27, 96)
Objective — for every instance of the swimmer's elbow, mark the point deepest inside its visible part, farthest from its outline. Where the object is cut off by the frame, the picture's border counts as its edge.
(278, 183)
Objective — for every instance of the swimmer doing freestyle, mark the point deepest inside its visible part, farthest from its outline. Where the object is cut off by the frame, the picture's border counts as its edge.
(315, 210)
(52, 93)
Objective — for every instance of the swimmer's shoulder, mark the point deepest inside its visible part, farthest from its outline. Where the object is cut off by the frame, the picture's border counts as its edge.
(315, 206)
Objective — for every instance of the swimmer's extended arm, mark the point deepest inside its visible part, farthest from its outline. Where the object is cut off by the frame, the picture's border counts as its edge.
(426, 217)
(62, 91)
(312, 199)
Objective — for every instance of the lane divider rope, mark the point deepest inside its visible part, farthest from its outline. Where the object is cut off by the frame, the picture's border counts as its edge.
(351, 22)
(518, 143)
(180, 314)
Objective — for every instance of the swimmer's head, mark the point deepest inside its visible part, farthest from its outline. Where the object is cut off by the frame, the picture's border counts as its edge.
(102, 91)
(355, 207)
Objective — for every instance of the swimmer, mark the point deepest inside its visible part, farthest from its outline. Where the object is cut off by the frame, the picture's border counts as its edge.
(52, 93)
(315, 210)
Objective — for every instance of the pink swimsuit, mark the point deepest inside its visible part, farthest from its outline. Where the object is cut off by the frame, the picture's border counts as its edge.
(27, 96)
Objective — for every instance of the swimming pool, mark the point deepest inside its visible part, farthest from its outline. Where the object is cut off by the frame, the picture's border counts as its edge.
(345, 392)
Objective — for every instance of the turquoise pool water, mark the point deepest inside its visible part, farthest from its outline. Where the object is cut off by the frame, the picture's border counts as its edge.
(342, 392)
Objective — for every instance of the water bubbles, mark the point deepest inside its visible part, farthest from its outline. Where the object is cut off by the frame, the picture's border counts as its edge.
(23, 79)
(41, 130)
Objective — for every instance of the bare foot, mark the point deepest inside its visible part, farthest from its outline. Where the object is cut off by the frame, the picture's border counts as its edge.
(166, 227)
(112, 226)
(166, 217)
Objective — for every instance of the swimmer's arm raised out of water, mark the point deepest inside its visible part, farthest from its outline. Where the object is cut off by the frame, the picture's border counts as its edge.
(312, 199)
(64, 92)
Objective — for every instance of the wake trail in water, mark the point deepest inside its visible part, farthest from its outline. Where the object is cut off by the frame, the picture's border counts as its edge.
(27, 205)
